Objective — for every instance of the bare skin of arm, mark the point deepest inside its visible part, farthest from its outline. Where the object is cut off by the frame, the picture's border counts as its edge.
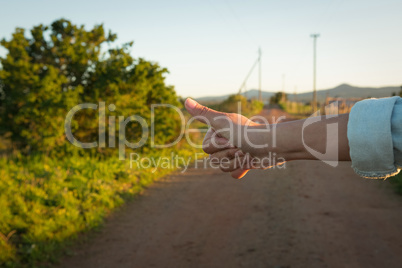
(234, 136)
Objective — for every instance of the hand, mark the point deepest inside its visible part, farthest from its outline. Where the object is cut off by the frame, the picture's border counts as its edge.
(220, 148)
(232, 137)
(296, 140)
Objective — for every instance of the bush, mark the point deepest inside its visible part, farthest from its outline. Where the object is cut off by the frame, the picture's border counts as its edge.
(59, 66)
(50, 190)
(247, 107)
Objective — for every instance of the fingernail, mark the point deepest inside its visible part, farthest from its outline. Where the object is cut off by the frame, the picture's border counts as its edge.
(191, 103)
(239, 153)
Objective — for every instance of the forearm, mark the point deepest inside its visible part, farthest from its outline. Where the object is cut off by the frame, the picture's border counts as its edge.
(297, 140)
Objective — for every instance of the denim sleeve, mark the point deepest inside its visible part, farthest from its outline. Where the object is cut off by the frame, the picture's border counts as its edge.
(375, 137)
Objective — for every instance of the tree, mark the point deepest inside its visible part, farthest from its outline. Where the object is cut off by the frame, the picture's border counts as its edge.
(278, 98)
(239, 104)
(59, 66)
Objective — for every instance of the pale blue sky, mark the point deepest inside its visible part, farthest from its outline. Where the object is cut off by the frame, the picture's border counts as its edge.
(209, 46)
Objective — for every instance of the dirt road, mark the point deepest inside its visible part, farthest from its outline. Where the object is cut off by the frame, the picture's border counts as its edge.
(304, 215)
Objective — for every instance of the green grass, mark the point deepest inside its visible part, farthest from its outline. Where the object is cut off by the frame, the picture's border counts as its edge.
(297, 109)
(45, 203)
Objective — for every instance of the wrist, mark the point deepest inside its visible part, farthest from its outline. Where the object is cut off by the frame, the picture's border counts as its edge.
(287, 141)
(297, 140)
(275, 140)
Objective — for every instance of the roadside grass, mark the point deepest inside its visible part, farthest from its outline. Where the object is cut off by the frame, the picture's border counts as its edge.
(297, 109)
(47, 202)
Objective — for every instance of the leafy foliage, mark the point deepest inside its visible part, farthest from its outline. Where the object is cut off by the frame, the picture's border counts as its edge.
(278, 98)
(240, 104)
(50, 191)
(60, 66)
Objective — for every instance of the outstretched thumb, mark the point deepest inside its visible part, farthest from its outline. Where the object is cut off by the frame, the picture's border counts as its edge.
(202, 113)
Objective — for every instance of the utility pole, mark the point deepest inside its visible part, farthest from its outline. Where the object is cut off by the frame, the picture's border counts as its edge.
(259, 74)
(315, 36)
(296, 101)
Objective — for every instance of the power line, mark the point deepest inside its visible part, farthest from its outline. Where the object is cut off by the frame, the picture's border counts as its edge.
(248, 75)
(243, 85)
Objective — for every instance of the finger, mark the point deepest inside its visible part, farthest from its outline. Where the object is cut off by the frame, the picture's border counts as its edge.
(240, 161)
(214, 144)
(239, 173)
(225, 153)
(208, 136)
(202, 113)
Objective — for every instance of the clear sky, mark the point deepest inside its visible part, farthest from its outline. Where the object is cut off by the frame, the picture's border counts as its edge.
(210, 45)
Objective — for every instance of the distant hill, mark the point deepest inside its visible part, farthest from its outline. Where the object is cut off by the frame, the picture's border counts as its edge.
(250, 94)
(343, 91)
(348, 91)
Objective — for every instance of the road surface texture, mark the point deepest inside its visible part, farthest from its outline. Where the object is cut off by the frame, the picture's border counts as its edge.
(306, 214)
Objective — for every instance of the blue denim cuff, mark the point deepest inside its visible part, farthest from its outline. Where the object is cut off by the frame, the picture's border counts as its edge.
(371, 139)
(396, 129)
